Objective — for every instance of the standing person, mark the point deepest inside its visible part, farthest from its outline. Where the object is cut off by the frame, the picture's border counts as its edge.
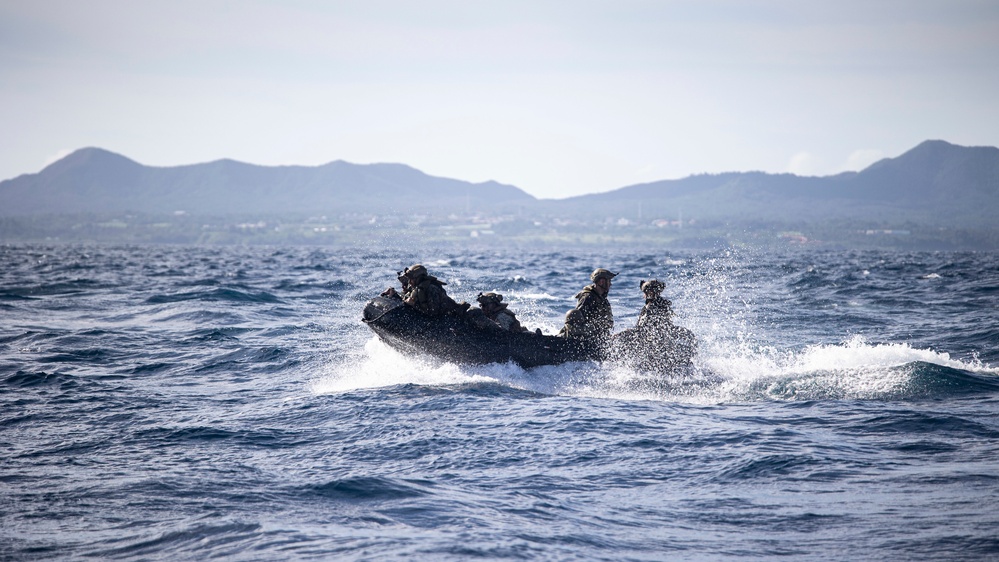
(592, 319)
(427, 293)
(657, 313)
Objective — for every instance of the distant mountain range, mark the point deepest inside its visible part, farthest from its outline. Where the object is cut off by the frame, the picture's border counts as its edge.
(935, 183)
(93, 180)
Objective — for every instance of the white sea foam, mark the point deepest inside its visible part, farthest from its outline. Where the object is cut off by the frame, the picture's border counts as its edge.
(738, 360)
(853, 369)
(382, 366)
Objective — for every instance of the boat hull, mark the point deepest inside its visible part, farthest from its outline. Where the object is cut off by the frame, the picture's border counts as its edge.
(456, 339)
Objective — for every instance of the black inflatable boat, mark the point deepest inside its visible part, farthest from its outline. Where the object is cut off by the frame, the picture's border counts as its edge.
(456, 339)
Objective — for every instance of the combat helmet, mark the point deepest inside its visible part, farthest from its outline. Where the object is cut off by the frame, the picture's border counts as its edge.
(601, 273)
(416, 271)
(491, 298)
(652, 285)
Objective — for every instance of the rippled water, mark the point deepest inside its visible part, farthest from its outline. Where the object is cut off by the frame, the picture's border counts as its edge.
(195, 402)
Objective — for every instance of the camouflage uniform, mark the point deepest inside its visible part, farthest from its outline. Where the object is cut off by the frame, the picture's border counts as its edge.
(497, 316)
(406, 289)
(507, 320)
(592, 318)
(427, 294)
(657, 313)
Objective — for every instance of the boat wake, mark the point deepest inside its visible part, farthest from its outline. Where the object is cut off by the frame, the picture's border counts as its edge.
(852, 370)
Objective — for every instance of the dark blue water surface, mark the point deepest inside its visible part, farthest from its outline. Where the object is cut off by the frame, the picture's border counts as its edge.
(227, 402)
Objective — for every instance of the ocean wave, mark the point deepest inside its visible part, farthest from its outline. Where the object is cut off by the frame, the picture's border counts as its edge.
(910, 381)
(212, 426)
(148, 368)
(92, 355)
(262, 438)
(368, 488)
(922, 423)
(28, 379)
(64, 288)
(780, 465)
(227, 295)
(195, 541)
(199, 317)
(853, 369)
(311, 290)
(244, 361)
(17, 295)
(217, 334)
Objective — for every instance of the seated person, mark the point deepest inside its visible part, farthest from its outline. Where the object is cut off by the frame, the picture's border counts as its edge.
(427, 293)
(658, 310)
(592, 319)
(656, 320)
(493, 312)
(573, 323)
(404, 281)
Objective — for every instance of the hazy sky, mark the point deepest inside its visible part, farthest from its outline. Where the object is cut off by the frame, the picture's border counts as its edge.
(557, 98)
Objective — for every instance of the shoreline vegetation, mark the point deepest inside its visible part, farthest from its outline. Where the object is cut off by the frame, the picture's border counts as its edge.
(483, 231)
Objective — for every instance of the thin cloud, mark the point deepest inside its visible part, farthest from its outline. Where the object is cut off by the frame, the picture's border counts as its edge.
(803, 164)
(860, 159)
(62, 153)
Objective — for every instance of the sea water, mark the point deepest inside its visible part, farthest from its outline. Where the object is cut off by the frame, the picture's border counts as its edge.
(161, 402)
